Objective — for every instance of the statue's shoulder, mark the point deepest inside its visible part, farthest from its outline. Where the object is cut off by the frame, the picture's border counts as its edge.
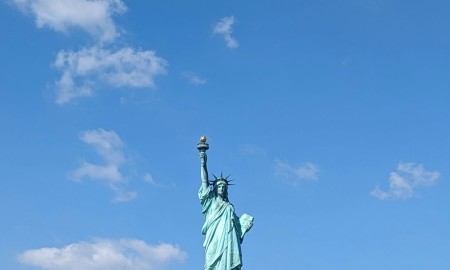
(205, 192)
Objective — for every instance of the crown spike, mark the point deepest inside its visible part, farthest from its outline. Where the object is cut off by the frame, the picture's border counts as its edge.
(221, 179)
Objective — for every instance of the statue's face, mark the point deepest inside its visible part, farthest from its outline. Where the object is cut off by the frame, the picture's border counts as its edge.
(221, 189)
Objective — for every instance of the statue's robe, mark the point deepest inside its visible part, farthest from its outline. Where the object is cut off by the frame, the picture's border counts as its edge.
(222, 232)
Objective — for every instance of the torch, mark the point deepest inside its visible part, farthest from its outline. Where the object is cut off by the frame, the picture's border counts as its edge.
(202, 146)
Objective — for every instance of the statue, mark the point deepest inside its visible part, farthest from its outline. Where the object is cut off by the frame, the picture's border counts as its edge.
(224, 231)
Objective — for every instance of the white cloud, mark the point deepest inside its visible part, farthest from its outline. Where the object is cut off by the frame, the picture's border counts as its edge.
(92, 16)
(87, 67)
(106, 143)
(149, 179)
(109, 146)
(97, 66)
(105, 254)
(193, 78)
(295, 174)
(122, 195)
(225, 27)
(405, 180)
(108, 172)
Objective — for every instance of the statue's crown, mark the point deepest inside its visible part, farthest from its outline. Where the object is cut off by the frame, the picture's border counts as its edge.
(221, 179)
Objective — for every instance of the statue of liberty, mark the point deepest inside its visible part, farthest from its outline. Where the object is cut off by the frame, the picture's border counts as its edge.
(224, 231)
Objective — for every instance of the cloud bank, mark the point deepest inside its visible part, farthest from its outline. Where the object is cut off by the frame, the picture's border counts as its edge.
(110, 148)
(105, 254)
(96, 66)
(224, 28)
(92, 67)
(296, 174)
(91, 16)
(405, 180)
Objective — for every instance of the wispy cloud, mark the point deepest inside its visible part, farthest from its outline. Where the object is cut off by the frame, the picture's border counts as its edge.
(296, 174)
(148, 178)
(104, 254)
(88, 67)
(110, 148)
(92, 16)
(405, 180)
(193, 78)
(225, 27)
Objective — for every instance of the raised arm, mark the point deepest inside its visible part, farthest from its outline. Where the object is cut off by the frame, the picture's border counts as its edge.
(202, 146)
(204, 169)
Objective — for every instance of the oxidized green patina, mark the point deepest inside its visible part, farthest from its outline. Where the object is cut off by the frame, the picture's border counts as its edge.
(224, 231)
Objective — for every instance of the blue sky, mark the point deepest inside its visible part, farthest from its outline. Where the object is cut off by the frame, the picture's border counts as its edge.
(332, 116)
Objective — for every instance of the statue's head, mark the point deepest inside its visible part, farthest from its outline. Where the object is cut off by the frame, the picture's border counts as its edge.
(221, 189)
(220, 185)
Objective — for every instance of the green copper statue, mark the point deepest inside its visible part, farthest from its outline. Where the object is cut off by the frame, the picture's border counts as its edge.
(223, 230)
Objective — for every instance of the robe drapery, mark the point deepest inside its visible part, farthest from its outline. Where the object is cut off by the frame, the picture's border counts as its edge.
(222, 232)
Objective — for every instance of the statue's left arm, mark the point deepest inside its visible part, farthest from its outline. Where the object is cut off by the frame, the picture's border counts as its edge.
(246, 222)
